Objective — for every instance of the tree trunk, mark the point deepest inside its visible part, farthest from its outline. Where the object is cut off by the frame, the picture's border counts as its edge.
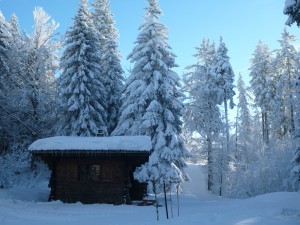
(292, 119)
(221, 171)
(236, 133)
(265, 127)
(209, 163)
(226, 154)
(227, 125)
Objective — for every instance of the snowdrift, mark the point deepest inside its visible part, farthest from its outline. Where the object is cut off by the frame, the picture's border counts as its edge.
(196, 206)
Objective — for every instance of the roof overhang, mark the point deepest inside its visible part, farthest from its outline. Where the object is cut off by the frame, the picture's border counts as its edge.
(92, 145)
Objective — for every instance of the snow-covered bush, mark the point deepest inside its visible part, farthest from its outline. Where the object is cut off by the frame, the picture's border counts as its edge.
(295, 172)
(268, 173)
(16, 168)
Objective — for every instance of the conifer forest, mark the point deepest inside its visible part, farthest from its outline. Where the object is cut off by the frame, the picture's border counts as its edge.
(246, 131)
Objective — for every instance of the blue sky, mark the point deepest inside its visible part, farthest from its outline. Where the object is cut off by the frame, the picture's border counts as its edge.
(241, 23)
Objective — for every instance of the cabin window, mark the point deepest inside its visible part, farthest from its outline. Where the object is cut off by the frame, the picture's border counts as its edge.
(89, 173)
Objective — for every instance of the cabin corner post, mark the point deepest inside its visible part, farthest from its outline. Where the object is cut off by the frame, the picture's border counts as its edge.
(127, 183)
(52, 182)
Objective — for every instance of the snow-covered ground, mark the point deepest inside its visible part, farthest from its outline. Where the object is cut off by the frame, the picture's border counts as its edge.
(197, 207)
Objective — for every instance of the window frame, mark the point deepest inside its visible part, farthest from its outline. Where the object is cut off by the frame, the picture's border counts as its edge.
(86, 175)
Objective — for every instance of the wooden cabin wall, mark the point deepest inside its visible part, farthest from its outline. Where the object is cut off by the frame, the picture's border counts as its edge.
(116, 186)
(68, 188)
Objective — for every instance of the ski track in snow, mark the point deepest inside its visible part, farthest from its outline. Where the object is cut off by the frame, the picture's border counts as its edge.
(197, 207)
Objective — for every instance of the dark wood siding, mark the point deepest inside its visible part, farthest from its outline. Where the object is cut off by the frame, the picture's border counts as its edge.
(116, 185)
(108, 190)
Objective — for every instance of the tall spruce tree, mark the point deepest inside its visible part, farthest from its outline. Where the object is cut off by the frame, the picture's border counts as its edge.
(202, 114)
(110, 61)
(4, 76)
(4, 51)
(82, 91)
(295, 173)
(285, 67)
(292, 9)
(243, 131)
(16, 50)
(262, 84)
(152, 102)
(224, 74)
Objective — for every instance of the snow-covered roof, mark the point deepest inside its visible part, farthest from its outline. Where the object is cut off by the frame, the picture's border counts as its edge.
(113, 143)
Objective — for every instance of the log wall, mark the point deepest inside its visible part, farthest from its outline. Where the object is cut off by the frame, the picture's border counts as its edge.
(115, 187)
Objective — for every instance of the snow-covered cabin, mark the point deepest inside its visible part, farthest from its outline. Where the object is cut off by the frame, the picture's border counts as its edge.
(94, 169)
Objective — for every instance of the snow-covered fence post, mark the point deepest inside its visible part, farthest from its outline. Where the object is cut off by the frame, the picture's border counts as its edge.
(177, 192)
(156, 201)
(171, 199)
(166, 202)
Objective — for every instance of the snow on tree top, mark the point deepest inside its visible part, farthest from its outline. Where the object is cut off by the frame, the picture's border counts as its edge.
(113, 143)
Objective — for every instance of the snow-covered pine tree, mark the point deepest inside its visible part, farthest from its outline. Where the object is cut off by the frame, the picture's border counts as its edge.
(202, 114)
(102, 19)
(262, 84)
(17, 55)
(152, 102)
(285, 68)
(14, 25)
(4, 51)
(110, 61)
(16, 47)
(81, 86)
(224, 74)
(292, 10)
(243, 130)
(295, 172)
(4, 76)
